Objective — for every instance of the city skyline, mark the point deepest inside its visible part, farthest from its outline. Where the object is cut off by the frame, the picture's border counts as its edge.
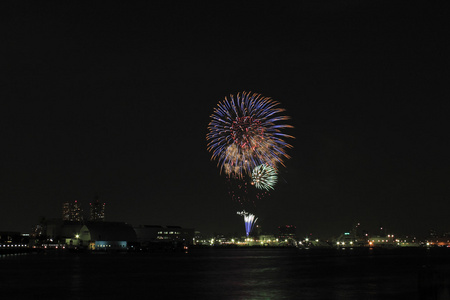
(116, 101)
(74, 213)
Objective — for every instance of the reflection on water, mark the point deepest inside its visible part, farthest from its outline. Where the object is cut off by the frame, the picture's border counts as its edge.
(11, 255)
(75, 278)
(228, 274)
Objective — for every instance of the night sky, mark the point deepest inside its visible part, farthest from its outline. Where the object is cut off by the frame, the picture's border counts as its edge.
(115, 101)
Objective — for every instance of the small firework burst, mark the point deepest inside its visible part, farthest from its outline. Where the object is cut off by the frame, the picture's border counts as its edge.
(264, 177)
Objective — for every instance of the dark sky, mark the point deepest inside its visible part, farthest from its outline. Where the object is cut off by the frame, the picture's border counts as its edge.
(116, 100)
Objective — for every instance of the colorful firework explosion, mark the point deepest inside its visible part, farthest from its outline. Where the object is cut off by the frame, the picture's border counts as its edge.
(264, 177)
(245, 132)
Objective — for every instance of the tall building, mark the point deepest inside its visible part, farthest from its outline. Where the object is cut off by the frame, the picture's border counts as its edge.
(66, 211)
(97, 210)
(72, 211)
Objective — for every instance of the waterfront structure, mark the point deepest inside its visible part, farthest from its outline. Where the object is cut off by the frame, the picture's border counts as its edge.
(382, 241)
(13, 242)
(267, 240)
(8, 238)
(356, 237)
(105, 236)
(349, 239)
(148, 234)
(287, 232)
(59, 230)
(72, 211)
(438, 240)
(199, 239)
(88, 235)
(408, 241)
(97, 210)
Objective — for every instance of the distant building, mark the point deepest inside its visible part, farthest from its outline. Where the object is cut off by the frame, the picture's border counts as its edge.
(147, 234)
(72, 211)
(89, 235)
(106, 236)
(349, 239)
(200, 239)
(438, 240)
(97, 210)
(58, 230)
(408, 241)
(177, 233)
(268, 239)
(382, 241)
(12, 237)
(287, 232)
(66, 211)
(356, 237)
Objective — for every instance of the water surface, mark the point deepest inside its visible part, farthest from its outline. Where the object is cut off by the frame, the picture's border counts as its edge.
(243, 273)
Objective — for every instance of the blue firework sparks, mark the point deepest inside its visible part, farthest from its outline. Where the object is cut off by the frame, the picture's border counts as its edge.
(249, 221)
(246, 131)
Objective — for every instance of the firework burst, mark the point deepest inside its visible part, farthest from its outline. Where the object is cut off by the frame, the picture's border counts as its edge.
(245, 132)
(264, 177)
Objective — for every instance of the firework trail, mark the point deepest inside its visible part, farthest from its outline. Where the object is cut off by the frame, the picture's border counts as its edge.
(249, 220)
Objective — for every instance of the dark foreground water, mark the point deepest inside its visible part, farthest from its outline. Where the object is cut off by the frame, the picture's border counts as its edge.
(229, 274)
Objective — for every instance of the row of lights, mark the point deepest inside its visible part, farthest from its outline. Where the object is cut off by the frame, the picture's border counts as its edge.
(56, 247)
(343, 243)
(246, 240)
(307, 240)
